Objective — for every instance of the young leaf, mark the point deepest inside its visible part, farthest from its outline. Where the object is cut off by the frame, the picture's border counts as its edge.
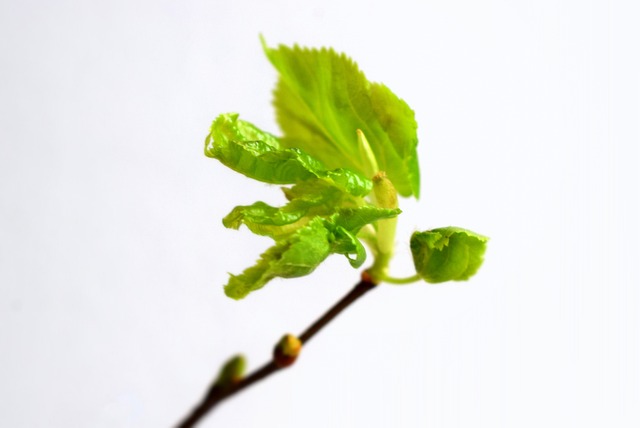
(346, 224)
(263, 219)
(344, 242)
(297, 256)
(322, 99)
(447, 254)
(258, 155)
(323, 192)
(298, 253)
(308, 199)
(353, 219)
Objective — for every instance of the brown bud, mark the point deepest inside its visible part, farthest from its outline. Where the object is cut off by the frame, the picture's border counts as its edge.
(287, 350)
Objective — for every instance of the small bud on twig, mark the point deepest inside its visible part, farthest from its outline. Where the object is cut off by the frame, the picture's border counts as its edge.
(231, 372)
(287, 350)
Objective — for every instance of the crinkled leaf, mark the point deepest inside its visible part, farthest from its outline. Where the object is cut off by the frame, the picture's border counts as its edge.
(353, 219)
(298, 253)
(322, 99)
(346, 224)
(346, 243)
(447, 254)
(297, 256)
(308, 199)
(257, 154)
(320, 191)
(263, 219)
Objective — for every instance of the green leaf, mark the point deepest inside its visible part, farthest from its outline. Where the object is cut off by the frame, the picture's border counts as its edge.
(346, 224)
(263, 219)
(353, 219)
(297, 256)
(321, 191)
(322, 99)
(298, 252)
(447, 254)
(258, 155)
(344, 242)
(311, 198)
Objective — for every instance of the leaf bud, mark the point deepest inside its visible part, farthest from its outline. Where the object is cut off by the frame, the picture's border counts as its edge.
(231, 372)
(447, 254)
(287, 350)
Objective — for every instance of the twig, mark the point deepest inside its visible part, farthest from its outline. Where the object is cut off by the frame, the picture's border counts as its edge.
(358, 291)
(217, 392)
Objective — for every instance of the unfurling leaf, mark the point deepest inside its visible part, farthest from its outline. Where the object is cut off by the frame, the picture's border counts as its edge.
(311, 198)
(323, 100)
(297, 253)
(353, 219)
(447, 254)
(258, 155)
(297, 256)
(340, 133)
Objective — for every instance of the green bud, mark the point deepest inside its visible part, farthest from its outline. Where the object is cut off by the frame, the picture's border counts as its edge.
(231, 372)
(384, 192)
(385, 196)
(447, 254)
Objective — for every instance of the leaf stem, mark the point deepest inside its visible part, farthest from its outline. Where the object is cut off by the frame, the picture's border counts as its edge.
(218, 393)
(400, 281)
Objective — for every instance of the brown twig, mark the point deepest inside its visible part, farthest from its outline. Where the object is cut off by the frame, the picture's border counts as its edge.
(217, 393)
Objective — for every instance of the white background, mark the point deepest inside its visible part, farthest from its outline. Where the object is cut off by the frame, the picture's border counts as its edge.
(113, 256)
